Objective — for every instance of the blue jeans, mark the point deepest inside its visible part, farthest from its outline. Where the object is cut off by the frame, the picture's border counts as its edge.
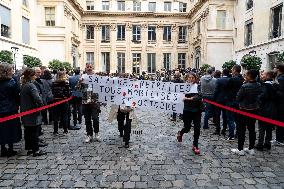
(231, 123)
(209, 112)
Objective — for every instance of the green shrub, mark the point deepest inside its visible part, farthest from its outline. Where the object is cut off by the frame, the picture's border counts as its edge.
(57, 65)
(31, 61)
(251, 62)
(229, 64)
(6, 56)
(204, 68)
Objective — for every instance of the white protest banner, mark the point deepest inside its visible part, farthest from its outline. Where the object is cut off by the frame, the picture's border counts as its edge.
(163, 96)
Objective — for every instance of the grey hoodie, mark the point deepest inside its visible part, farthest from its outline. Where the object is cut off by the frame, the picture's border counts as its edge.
(208, 84)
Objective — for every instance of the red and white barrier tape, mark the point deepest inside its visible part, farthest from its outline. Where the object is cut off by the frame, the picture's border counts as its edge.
(33, 110)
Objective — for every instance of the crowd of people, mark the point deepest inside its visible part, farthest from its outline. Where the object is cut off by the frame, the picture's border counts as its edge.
(254, 92)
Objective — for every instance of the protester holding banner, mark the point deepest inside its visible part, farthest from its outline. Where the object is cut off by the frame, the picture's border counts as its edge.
(177, 79)
(30, 99)
(248, 102)
(61, 91)
(10, 131)
(90, 106)
(192, 111)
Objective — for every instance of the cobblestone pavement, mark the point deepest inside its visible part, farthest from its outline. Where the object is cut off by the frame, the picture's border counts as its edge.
(154, 160)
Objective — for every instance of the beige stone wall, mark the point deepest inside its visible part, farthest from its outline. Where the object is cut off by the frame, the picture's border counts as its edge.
(262, 44)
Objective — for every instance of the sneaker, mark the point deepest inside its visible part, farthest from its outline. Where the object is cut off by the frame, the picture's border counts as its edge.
(173, 119)
(250, 152)
(179, 137)
(259, 147)
(230, 139)
(39, 153)
(126, 145)
(267, 147)
(89, 139)
(97, 137)
(65, 132)
(279, 143)
(239, 152)
(196, 150)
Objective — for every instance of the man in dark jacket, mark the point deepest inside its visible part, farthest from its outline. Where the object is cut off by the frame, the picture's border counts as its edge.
(268, 108)
(220, 96)
(280, 103)
(233, 87)
(76, 102)
(247, 98)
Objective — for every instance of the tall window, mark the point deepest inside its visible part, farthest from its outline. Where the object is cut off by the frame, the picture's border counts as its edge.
(89, 32)
(90, 58)
(25, 3)
(105, 33)
(151, 33)
(105, 62)
(5, 17)
(182, 7)
(121, 32)
(151, 59)
(221, 19)
(152, 6)
(121, 62)
(167, 61)
(136, 33)
(136, 63)
(105, 5)
(90, 5)
(197, 57)
(167, 6)
(248, 32)
(167, 34)
(25, 30)
(50, 16)
(182, 32)
(181, 60)
(136, 6)
(198, 27)
(249, 4)
(121, 5)
(276, 21)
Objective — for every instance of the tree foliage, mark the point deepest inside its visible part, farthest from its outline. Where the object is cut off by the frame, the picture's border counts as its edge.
(251, 62)
(229, 64)
(6, 56)
(280, 57)
(31, 61)
(204, 68)
(57, 65)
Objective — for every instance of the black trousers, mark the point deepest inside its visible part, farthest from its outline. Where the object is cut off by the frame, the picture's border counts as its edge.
(61, 114)
(246, 123)
(218, 112)
(280, 130)
(265, 132)
(76, 104)
(91, 115)
(188, 118)
(31, 135)
(124, 128)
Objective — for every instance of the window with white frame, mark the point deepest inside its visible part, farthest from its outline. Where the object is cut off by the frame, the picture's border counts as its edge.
(136, 6)
(136, 59)
(182, 32)
(89, 32)
(151, 33)
(167, 34)
(121, 5)
(221, 19)
(182, 7)
(136, 32)
(151, 60)
(167, 61)
(90, 58)
(121, 62)
(25, 30)
(5, 18)
(167, 6)
(276, 21)
(105, 5)
(121, 32)
(105, 33)
(198, 27)
(90, 5)
(106, 62)
(50, 16)
(152, 6)
(181, 60)
(248, 32)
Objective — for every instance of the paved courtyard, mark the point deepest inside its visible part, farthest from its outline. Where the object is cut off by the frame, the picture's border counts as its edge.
(154, 160)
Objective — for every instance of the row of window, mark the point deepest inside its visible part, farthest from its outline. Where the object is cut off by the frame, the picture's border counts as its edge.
(136, 61)
(5, 18)
(136, 6)
(136, 33)
(275, 29)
